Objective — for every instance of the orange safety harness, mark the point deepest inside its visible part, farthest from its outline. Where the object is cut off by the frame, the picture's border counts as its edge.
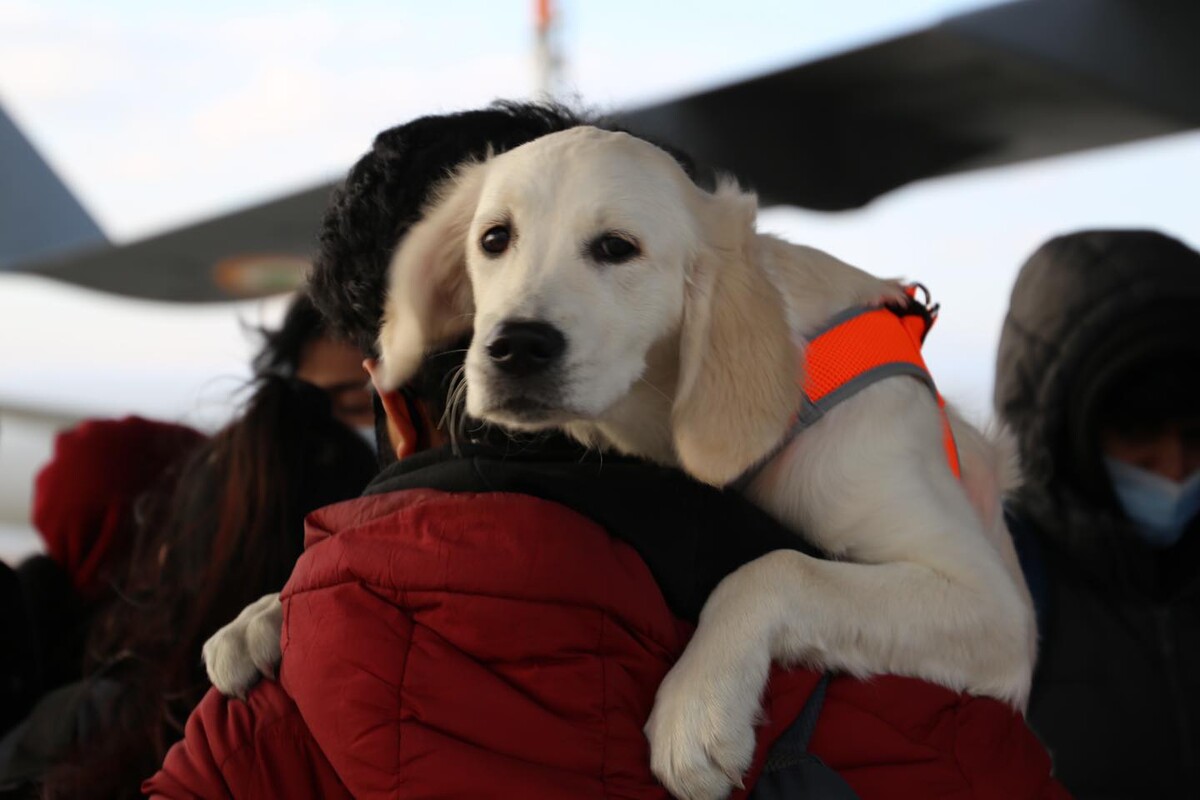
(854, 350)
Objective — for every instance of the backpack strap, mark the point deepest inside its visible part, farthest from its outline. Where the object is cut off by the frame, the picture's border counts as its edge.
(792, 747)
(791, 771)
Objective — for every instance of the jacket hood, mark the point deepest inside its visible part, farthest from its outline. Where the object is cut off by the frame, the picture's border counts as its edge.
(1087, 310)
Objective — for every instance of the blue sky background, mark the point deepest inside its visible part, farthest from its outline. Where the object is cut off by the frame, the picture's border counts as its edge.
(159, 113)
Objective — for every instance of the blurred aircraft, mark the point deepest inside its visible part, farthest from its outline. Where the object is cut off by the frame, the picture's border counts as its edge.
(1017, 81)
(1006, 84)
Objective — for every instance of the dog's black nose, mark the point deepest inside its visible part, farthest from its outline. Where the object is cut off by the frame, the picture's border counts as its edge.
(521, 348)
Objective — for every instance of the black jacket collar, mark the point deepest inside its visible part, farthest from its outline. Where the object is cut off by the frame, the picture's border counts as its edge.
(690, 535)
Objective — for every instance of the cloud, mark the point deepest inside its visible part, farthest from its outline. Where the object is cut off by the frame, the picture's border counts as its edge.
(159, 118)
(54, 58)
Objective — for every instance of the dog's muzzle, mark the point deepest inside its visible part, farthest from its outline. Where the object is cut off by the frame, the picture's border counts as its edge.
(525, 348)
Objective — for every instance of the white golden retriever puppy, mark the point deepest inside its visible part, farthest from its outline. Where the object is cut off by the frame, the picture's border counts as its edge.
(614, 299)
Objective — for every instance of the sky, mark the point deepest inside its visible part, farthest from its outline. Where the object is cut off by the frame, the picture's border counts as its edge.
(157, 114)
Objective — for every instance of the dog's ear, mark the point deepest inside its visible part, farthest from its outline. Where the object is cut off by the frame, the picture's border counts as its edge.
(738, 383)
(429, 299)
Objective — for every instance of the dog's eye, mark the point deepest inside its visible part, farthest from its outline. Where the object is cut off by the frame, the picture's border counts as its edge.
(495, 240)
(613, 249)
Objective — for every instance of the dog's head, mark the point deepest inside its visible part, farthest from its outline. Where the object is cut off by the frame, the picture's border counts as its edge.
(575, 256)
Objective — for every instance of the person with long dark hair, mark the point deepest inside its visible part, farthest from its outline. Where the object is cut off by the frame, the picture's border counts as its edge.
(304, 348)
(230, 531)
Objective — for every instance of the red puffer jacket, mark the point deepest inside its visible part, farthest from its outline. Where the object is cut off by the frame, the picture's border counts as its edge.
(500, 645)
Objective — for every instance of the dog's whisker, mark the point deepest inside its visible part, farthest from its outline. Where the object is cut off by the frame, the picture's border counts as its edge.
(660, 392)
(452, 413)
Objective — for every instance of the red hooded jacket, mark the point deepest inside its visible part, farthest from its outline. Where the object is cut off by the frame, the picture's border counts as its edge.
(501, 645)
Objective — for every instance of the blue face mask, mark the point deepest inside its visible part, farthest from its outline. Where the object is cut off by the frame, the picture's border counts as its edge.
(1159, 508)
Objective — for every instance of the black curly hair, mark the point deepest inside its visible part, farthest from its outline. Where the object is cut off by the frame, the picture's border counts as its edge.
(385, 192)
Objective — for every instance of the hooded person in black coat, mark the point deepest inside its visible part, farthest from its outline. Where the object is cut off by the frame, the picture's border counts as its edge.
(1099, 377)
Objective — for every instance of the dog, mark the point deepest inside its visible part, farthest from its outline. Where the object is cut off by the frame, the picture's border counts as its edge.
(614, 299)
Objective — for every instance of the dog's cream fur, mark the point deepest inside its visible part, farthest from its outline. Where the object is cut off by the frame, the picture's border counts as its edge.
(688, 354)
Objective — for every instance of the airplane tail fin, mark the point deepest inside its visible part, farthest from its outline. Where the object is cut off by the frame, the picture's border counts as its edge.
(39, 216)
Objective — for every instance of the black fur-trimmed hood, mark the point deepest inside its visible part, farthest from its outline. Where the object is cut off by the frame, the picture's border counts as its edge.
(1088, 308)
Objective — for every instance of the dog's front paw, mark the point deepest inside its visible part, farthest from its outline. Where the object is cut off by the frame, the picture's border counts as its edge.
(238, 654)
(701, 731)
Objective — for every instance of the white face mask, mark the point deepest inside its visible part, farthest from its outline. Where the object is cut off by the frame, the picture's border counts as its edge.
(367, 432)
(1159, 507)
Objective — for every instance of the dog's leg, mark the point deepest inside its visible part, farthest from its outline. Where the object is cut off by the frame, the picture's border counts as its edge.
(929, 595)
(790, 608)
(931, 592)
(246, 648)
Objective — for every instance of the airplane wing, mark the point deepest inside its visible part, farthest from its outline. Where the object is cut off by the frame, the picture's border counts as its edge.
(253, 252)
(1009, 83)
(38, 213)
(1013, 82)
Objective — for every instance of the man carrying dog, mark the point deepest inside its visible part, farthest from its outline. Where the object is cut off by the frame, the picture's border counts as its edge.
(492, 619)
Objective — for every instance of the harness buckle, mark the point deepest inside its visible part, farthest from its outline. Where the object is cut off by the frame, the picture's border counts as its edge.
(918, 303)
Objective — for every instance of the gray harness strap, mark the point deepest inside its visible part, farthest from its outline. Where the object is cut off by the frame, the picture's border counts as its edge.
(811, 412)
